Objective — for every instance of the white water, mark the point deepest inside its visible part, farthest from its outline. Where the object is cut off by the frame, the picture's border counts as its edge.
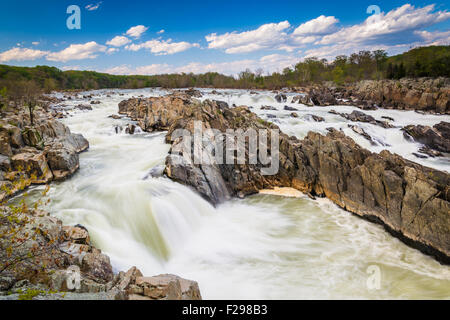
(261, 247)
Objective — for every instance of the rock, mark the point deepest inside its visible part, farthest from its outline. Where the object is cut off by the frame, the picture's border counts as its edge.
(423, 94)
(361, 132)
(34, 164)
(294, 115)
(281, 97)
(114, 116)
(303, 99)
(168, 287)
(84, 106)
(63, 162)
(287, 108)
(315, 118)
(193, 93)
(130, 129)
(97, 265)
(358, 116)
(436, 137)
(95, 102)
(268, 108)
(78, 235)
(410, 200)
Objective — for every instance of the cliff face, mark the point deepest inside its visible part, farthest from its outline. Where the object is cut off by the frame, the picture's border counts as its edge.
(410, 200)
(406, 94)
(423, 94)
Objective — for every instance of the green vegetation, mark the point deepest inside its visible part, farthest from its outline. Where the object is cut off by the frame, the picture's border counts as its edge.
(420, 62)
(431, 61)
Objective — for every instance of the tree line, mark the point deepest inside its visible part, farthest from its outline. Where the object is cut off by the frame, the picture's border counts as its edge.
(433, 61)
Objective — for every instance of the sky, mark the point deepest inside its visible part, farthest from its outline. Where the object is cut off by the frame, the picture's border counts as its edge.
(153, 37)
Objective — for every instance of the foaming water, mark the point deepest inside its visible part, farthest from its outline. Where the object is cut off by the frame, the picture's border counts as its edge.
(391, 139)
(261, 247)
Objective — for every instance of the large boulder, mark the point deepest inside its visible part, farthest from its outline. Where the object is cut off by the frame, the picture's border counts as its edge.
(34, 164)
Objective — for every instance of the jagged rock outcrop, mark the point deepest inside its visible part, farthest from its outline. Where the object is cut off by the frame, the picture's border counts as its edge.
(37, 153)
(67, 249)
(436, 137)
(410, 200)
(423, 94)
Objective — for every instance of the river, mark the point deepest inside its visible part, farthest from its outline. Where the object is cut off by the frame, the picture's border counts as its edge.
(261, 247)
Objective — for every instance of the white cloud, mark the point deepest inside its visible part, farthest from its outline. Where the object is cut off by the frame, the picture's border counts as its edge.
(92, 7)
(118, 41)
(267, 36)
(87, 50)
(35, 43)
(65, 68)
(111, 50)
(319, 26)
(21, 54)
(136, 31)
(399, 20)
(162, 47)
(435, 38)
(161, 31)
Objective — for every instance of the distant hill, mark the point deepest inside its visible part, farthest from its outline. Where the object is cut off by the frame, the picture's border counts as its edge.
(433, 61)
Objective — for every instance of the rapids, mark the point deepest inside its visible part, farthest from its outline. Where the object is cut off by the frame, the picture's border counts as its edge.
(261, 247)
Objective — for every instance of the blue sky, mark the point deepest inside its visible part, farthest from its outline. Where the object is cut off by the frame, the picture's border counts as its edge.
(148, 37)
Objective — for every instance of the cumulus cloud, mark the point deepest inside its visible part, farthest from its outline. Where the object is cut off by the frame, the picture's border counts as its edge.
(396, 28)
(111, 50)
(88, 50)
(398, 21)
(435, 38)
(65, 68)
(162, 47)
(161, 31)
(136, 31)
(118, 41)
(267, 36)
(21, 54)
(35, 43)
(92, 7)
(319, 26)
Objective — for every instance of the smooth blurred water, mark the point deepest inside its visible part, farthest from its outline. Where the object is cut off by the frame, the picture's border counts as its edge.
(261, 247)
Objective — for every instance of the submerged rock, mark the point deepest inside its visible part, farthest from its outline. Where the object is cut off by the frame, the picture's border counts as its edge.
(281, 97)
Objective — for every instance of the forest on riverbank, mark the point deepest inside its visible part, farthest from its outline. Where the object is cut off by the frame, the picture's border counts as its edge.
(432, 61)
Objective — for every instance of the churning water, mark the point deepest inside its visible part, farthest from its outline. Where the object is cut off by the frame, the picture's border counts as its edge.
(262, 247)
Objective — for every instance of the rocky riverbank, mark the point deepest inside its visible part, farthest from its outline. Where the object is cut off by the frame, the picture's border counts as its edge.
(422, 95)
(65, 265)
(35, 153)
(40, 258)
(410, 200)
